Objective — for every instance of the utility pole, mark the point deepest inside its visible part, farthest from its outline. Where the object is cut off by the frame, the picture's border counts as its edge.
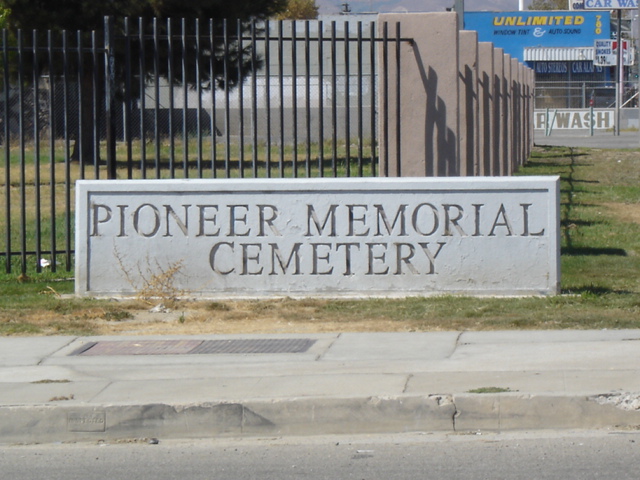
(459, 9)
(620, 73)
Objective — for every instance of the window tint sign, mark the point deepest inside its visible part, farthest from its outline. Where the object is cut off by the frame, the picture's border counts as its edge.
(513, 31)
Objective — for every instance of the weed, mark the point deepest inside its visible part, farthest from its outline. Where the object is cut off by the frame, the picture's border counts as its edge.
(491, 390)
(51, 381)
(117, 315)
(155, 282)
(218, 306)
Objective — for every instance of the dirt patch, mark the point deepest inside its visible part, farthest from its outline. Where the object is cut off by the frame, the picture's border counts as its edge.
(625, 212)
(215, 317)
(197, 322)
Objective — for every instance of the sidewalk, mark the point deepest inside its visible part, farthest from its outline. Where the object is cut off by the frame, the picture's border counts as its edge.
(55, 389)
(581, 138)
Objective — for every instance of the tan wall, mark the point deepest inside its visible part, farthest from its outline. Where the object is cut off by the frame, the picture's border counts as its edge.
(462, 107)
(429, 96)
(486, 110)
(469, 125)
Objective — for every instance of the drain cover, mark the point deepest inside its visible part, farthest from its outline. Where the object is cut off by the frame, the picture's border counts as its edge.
(276, 345)
(195, 347)
(142, 347)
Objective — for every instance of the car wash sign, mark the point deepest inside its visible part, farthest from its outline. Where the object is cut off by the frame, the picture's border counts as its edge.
(513, 31)
(603, 4)
(577, 119)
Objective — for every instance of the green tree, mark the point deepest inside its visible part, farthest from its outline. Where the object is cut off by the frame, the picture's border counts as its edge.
(75, 15)
(549, 5)
(299, 10)
(88, 15)
(4, 15)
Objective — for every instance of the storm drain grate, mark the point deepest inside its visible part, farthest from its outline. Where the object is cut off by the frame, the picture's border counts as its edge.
(275, 345)
(141, 347)
(195, 347)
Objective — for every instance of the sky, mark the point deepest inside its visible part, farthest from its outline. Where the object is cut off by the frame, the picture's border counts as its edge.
(328, 7)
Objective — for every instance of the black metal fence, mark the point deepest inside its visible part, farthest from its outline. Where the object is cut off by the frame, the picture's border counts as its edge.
(597, 94)
(178, 98)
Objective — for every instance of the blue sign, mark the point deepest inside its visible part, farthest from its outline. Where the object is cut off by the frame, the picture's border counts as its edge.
(513, 31)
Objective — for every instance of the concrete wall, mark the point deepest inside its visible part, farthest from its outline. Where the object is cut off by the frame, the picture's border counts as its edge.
(463, 108)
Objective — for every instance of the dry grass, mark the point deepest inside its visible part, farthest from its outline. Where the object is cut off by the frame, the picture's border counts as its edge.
(600, 264)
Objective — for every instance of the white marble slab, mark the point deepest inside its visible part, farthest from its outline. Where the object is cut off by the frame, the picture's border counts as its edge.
(319, 237)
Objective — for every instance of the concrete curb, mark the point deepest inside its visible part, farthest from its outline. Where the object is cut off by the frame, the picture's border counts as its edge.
(312, 416)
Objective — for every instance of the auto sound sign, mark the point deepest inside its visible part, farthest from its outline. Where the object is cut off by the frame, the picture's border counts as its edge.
(513, 31)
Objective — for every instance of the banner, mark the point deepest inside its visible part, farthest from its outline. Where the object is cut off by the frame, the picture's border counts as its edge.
(513, 31)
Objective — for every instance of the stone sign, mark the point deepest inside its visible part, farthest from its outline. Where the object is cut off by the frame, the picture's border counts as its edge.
(318, 237)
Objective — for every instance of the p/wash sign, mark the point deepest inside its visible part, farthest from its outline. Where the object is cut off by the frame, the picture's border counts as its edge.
(318, 237)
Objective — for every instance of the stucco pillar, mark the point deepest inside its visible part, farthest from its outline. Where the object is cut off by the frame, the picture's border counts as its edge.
(429, 108)
(516, 115)
(469, 126)
(498, 102)
(486, 118)
(507, 119)
(531, 83)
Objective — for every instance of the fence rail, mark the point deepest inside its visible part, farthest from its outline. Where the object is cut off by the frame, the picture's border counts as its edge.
(178, 99)
(579, 94)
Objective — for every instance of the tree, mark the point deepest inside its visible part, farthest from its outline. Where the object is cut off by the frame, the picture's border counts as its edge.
(299, 10)
(75, 15)
(88, 15)
(4, 15)
(549, 5)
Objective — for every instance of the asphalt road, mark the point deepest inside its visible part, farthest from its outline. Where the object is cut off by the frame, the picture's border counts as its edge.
(573, 455)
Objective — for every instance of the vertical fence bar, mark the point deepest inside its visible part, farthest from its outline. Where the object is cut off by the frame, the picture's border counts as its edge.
(267, 76)
(127, 98)
(254, 102)
(52, 153)
(110, 116)
(239, 85)
(67, 159)
(321, 97)
(294, 97)
(21, 129)
(185, 101)
(156, 88)
(360, 102)
(373, 99)
(398, 102)
(307, 96)
(347, 103)
(36, 151)
(7, 150)
(385, 96)
(198, 56)
(170, 78)
(212, 86)
(334, 112)
(281, 92)
(95, 108)
(142, 102)
(227, 120)
(80, 144)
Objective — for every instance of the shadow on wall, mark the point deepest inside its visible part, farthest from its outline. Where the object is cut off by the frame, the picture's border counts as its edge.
(440, 141)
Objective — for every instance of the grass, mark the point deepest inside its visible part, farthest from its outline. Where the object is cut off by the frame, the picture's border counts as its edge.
(48, 182)
(600, 228)
(490, 390)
